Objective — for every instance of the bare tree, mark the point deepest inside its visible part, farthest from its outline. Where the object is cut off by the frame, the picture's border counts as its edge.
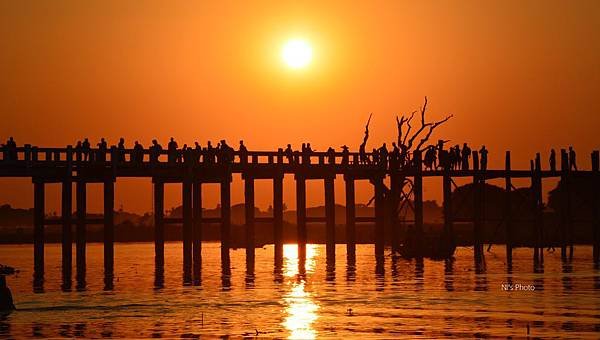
(407, 139)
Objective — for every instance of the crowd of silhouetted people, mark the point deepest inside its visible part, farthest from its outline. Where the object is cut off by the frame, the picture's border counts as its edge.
(433, 157)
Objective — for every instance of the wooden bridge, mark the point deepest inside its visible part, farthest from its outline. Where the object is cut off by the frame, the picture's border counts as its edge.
(67, 166)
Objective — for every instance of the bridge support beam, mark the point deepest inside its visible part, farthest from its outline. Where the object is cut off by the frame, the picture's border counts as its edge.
(379, 218)
(330, 218)
(350, 219)
(109, 231)
(596, 206)
(80, 233)
(508, 210)
(225, 223)
(418, 201)
(188, 229)
(249, 218)
(159, 227)
(67, 243)
(278, 219)
(197, 232)
(448, 234)
(301, 216)
(38, 228)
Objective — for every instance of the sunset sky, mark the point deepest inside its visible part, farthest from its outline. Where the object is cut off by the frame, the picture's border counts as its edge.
(518, 75)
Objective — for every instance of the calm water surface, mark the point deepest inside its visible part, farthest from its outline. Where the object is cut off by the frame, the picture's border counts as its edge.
(409, 299)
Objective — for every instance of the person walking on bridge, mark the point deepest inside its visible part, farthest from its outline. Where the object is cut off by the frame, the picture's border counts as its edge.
(172, 151)
(155, 150)
(572, 159)
(483, 158)
(243, 153)
(465, 155)
(289, 154)
(85, 148)
(121, 149)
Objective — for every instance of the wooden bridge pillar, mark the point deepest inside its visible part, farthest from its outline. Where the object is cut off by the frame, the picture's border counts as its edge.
(188, 228)
(508, 209)
(278, 219)
(418, 201)
(80, 233)
(596, 206)
(448, 234)
(538, 210)
(396, 192)
(350, 219)
(379, 218)
(330, 217)
(478, 207)
(197, 232)
(565, 218)
(109, 228)
(159, 226)
(225, 222)
(249, 217)
(301, 215)
(67, 243)
(38, 227)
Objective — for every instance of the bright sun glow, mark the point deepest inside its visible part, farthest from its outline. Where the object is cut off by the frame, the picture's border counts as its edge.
(296, 53)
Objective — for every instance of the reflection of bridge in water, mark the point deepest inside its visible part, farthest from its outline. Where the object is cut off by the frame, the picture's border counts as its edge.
(66, 166)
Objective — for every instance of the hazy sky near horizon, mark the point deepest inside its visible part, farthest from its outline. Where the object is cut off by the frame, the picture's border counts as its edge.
(518, 75)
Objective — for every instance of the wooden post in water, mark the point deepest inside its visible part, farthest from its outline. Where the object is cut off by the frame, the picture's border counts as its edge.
(448, 235)
(188, 227)
(418, 201)
(350, 218)
(278, 216)
(225, 222)
(396, 187)
(508, 209)
(596, 205)
(379, 218)
(478, 188)
(197, 231)
(67, 216)
(249, 217)
(159, 226)
(80, 233)
(301, 214)
(38, 226)
(564, 203)
(330, 217)
(109, 227)
(539, 210)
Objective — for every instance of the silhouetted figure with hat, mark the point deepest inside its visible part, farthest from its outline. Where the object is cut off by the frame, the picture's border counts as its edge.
(465, 155)
(552, 160)
(572, 159)
(85, 148)
(6, 299)
(345, 155)
(483, 158)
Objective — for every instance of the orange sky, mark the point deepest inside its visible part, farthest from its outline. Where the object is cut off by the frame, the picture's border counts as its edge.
(519, 75)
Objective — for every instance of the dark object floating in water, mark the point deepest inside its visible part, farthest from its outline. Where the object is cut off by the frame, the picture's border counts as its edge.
(6, 300)
(7, 270)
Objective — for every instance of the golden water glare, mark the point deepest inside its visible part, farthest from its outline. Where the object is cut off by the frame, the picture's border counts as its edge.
(301, 308)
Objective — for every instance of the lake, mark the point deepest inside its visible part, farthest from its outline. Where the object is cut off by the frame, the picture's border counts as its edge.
(429, 299)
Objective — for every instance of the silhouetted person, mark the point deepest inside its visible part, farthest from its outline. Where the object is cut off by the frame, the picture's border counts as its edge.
(345, 155)
(243, 153)
(155, 150)
(11, 149)
(85, 148)
(306, 152)
(465, 155)
(331, 155)
(394, 157)
(209, 156)
(375, 156)
(483, 157)
(6, 299)
(102, 147)
(383, 156)
(172, 151)
(138, 153)
(572, 159)
(78, 154)
(197, 152)
(429, 159)
(121, 149)
(457, 157)
(289, 154)
(552, 160)
(227, 152)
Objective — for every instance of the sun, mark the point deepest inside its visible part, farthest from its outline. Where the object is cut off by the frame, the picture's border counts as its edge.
(296, 53)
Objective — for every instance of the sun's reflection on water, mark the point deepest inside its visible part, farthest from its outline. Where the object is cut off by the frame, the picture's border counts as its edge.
(300, 307)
